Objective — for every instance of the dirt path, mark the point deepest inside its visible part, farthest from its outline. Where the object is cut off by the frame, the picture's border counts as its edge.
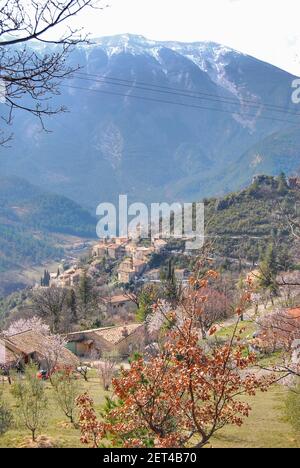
(250, 315)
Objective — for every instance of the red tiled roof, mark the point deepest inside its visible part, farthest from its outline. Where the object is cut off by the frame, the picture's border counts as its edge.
(116, 299)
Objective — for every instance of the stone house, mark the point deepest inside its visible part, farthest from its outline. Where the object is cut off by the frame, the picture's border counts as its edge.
(31, 346)
(114, 249)
(152, 275)
(100, 249)
(68, 278)
(130, 269)
(125, 277)
(121, 340)
(141, 253)
(139, 266)
(118, 303)
(126, 272)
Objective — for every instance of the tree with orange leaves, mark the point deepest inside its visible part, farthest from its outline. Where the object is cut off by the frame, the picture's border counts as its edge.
(182, 396)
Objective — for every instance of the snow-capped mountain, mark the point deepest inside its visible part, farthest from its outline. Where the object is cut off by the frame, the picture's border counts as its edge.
(160, 121)
(201, 53)
(210, 57)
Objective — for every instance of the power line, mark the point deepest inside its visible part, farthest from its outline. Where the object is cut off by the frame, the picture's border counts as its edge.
(107, 81)
(184, 92)
(194, 106)
(258, 107)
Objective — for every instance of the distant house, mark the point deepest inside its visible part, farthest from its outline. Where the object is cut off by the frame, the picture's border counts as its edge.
(126, 272)
(31, 346)
(139, 266)
(122, 340)
(119, 302)
(129, 269)
(152, 275)
(100, 249)
(125, 277)
(130, 248)
(141, 253)
(114, 249)
(65, 279)
(68, 278)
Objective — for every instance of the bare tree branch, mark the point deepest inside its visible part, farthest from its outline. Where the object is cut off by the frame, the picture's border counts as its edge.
(30, 77)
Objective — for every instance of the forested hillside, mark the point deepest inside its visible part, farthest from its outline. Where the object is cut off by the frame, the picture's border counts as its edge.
(26, 204)
(30, 220)
(242, 224)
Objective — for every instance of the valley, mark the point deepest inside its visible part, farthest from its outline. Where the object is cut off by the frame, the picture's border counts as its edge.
(36, 227)
(149, 227)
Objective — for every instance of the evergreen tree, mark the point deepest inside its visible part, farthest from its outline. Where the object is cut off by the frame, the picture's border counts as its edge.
(45, 280)
(269, 270)
(241, 289)
(170, 271)
(146, 299)
(72, 305)
(170, 283)
(86, 297)
(84, 289)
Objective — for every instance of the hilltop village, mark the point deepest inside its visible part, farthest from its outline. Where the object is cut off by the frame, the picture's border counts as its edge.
(122, 300)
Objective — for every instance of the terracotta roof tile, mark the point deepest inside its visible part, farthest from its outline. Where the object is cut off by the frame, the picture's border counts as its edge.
(113, 335)
(30, 341)
(116, 299)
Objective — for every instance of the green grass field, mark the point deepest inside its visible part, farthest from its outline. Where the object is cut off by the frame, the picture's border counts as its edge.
(57, 428)
(266, 427)
(247, 328)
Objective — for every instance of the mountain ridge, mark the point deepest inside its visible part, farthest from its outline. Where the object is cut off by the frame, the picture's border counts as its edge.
(200, 119)
(33, 224)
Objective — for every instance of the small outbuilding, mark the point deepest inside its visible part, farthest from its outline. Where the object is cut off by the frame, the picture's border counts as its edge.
(123, 340)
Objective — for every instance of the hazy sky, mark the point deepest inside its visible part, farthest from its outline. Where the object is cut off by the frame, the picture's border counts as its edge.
(267, 29)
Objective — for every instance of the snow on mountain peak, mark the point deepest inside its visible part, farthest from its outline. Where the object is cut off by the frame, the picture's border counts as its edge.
(210, 57)
(198, 52)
